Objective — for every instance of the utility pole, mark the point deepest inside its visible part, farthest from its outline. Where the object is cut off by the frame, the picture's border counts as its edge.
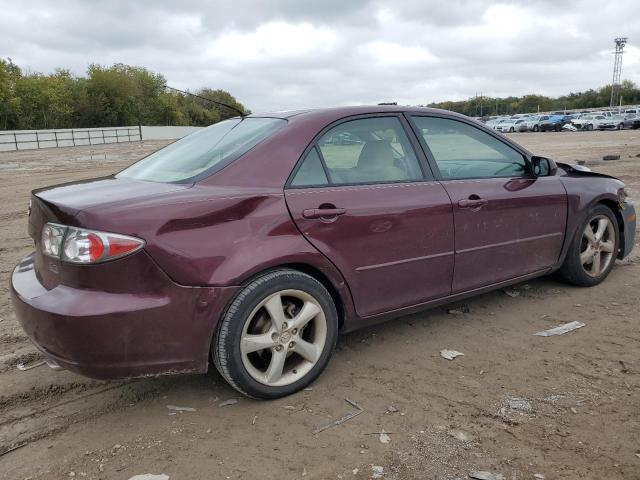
(617, 70)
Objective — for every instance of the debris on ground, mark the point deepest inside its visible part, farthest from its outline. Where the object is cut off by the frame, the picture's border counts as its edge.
(482, 475)
(459, 311)
(180, 409)
(384, 437)
(460, 435)
(538, 476)
(511, 292)
(561, 329)
(611, 157)
(518, 403)
(553, 398)
(150, 476)
(23, 366)
(391, 409)
(625, 368)
(226, 403)
(343, 419)
(450, 354)
(377, 470)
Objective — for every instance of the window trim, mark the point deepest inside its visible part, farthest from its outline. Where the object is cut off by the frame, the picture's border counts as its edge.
(434, 164)
(423, 163)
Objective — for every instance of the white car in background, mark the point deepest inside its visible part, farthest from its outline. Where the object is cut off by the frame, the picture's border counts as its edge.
(509, 126)
(593, 121)
(532, 124)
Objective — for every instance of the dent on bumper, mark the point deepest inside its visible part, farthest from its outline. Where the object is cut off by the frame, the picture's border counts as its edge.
(118, 335)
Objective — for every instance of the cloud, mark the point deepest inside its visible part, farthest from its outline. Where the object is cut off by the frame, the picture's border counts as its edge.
(282, 54)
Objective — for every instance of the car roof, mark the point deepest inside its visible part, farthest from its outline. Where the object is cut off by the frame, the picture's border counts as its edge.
(340, 112)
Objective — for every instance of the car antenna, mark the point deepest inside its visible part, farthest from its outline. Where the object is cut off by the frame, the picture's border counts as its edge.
(242, 114)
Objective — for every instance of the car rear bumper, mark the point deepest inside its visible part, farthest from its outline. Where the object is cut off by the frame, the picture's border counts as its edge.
(629, 230)
(108, 335)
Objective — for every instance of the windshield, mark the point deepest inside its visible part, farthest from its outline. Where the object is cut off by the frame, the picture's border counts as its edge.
(203, 152)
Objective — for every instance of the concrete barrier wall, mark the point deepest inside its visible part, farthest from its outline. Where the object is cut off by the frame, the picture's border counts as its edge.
(11, 140)
(166, 133)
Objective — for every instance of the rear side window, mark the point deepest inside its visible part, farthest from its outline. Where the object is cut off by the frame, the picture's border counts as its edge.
(464, 151)
(205, 151)
(311, 172)
(369, 150)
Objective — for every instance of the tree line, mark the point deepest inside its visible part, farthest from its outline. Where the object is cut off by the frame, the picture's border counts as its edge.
(121, 95)
(112, 96)
(484, 106)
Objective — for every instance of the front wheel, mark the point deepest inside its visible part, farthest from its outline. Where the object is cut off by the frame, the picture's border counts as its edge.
(536, 128)
(277, 335)
(621, 126)
(594, 249)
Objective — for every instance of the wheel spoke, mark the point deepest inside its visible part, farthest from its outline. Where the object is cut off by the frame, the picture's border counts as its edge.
(274, 372)
(595, 266)
(586, 255)
(602, 226)
(254, 343)
(588, 232)
(276, 311)
(308, 311)
(607, 246)
(306, 350)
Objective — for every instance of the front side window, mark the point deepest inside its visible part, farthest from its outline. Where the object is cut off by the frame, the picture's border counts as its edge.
(464, 151)
(369, 150)
(205, 151)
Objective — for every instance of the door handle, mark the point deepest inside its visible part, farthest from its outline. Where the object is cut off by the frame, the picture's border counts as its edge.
(323, 212)
(473, 203)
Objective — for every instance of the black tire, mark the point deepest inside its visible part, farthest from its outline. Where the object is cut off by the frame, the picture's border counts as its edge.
(536, 128)
(558, 128)
(588, 127)
(572, 270)
(511, 130)
(226, 352)
(621, 126)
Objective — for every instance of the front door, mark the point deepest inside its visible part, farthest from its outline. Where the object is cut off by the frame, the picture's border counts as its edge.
(508, 223)
(361, 197)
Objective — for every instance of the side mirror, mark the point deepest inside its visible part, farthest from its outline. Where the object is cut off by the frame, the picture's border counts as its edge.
(543, 167)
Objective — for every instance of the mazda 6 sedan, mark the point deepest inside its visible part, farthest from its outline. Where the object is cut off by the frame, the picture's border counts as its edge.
(252, 243)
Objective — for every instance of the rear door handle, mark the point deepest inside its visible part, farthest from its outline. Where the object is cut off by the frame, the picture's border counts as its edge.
(473, 203)
(323, 212)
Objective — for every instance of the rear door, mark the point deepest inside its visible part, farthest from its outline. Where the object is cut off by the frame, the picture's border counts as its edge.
(362, 197)
(508, 223)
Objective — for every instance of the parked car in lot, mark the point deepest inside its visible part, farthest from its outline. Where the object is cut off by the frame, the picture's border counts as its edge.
(252, 243)
(552, 123)
(532, 124)
(590, 122)
(625, 121)
(510, 126)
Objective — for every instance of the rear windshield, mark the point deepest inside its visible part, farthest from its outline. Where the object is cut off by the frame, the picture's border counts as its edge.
(204, 152)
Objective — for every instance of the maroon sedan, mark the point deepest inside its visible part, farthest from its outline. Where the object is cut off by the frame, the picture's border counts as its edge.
(254, 242)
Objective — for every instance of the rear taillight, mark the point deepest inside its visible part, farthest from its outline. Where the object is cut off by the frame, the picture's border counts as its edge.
(78, 245)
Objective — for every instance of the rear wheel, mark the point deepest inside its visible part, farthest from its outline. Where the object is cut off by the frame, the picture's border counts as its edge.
(277, 336)
(511, 130)
(593, 251)
(588, 127)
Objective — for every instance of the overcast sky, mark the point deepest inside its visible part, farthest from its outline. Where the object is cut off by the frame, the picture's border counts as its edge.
(283, 54)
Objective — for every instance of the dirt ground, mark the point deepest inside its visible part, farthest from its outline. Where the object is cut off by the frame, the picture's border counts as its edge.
(578, 416)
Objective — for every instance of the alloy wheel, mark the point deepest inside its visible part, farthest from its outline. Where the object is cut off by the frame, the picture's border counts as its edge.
(598, 242)
(283, 338)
